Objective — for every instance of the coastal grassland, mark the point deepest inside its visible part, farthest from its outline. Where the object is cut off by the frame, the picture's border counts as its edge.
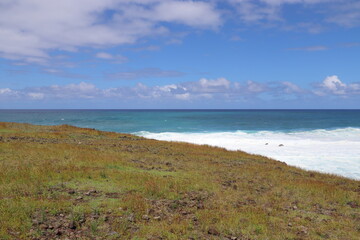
(63, 182)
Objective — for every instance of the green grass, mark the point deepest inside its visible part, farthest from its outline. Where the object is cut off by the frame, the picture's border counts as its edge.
(6, 131)
(67, 182)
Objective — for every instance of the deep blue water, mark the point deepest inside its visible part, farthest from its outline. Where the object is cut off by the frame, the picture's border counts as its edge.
(156, 121)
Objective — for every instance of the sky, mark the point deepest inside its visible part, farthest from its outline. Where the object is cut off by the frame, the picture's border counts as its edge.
(172, 54)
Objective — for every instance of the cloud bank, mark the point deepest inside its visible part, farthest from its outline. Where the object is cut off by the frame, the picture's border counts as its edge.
(220, 89)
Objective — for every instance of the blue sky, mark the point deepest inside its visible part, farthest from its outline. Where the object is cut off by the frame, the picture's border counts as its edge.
(179, 54)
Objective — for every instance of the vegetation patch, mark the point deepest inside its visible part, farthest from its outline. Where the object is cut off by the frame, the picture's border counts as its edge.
(63, 182)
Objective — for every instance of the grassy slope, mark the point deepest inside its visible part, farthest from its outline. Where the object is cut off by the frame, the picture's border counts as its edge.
(66, 182)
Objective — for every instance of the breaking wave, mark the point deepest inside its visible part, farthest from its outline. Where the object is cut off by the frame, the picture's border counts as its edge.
(334, 151)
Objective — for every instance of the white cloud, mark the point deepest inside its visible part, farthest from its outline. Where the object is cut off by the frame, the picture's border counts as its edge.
(216, 89)
(187, 12)
(290, 88)
(220, 82)
(104, 55)
(30, 29)
(334, 85)
(184, 96)
(115, 58)
(254, 87)
(7, 92)
(36, 95)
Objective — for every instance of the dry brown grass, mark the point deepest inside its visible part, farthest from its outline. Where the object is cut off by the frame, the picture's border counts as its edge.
(67, 182)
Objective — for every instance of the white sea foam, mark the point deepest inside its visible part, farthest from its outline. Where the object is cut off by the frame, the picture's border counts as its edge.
(331, 151)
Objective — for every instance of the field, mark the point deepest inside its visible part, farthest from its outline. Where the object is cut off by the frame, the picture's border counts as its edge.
(63, 182)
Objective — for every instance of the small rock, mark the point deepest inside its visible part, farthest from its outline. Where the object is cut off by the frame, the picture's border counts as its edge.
(281, 145)
(50, 227)
(157, 218)
(233, 238)
(294, 207)
(72, 225)
(145, 217)
(303, 230)
(131, 218)
(61, 215)
(290, 224)
(88, 193)
(266, 143)
(213, 231)
(79, 198)
(58, 232)
(71, 191)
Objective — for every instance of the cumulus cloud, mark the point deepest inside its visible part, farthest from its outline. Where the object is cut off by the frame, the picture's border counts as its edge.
(333, 85)
(31, 29)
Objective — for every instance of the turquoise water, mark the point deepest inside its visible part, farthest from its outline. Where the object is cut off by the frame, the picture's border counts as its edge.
(131, 121)
(321, 140)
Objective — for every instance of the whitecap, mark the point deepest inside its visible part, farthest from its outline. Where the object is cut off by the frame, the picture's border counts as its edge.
(334, 151)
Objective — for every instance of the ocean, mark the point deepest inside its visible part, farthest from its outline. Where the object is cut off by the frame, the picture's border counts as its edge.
(321, 140)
